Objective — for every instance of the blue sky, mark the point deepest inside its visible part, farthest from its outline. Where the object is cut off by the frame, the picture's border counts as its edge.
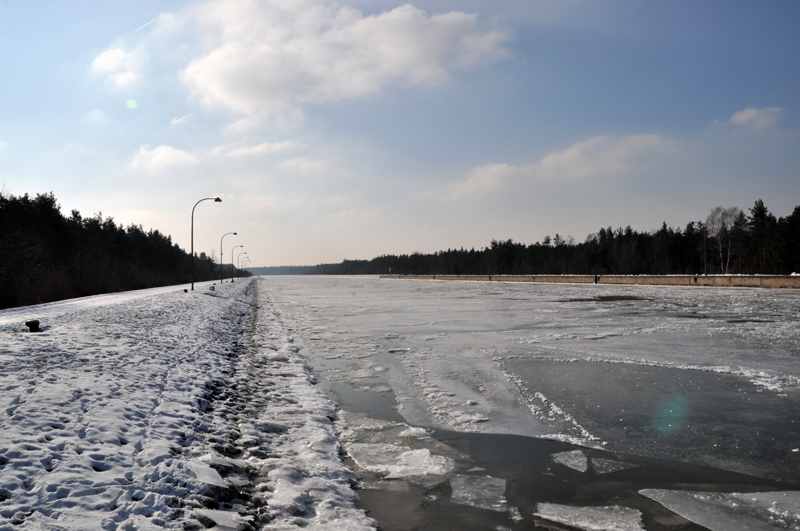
(350, 130)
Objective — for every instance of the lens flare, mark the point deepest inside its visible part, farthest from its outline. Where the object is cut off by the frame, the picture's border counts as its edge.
(671, 414)
(131, 104)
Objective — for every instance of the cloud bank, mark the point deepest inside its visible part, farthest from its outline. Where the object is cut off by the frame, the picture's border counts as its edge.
(274, 57)
(122, 68)
(758, 118)
(596, 159)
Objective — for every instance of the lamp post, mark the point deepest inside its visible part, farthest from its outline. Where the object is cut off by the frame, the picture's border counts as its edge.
(232, 261)
(220, 253)
(238, 256)
(245, 261)
(216, 200)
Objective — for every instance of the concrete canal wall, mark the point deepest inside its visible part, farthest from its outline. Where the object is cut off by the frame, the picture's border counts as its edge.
(716, 281)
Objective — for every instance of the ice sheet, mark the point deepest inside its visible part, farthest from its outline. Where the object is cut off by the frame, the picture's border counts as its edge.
(206, 474)
(741, 511)
(665, 372)
(592, 518)
(484, 492)
(607, 466)
(227, 519)
(398, 461)
(575, 459)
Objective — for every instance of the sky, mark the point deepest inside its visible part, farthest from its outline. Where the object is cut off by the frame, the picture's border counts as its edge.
(350, 130)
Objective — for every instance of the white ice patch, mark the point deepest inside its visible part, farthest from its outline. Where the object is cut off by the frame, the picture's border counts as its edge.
(484, 492)
(575, 459)
(219, 460)
(741, 511)
(398, 461)
(607, 466)
(768, 380)
(414, 432)
(206, 474)
(592, 518)
(225, 519)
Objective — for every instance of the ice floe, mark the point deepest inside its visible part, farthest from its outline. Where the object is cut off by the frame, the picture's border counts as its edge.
(754, 511)
(398, 461)
(574, 459)
(592, 518)
(484, 492)
(607, 466)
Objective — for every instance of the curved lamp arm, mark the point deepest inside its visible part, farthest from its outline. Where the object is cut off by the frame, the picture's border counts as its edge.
(216, 200)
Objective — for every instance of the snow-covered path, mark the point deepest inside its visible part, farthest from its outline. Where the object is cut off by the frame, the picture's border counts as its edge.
(110, 417)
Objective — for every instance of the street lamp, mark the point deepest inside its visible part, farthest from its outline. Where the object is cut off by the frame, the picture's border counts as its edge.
(216, 200)
(245, 261)
(220, 253)
(232, 261)
(238, 263)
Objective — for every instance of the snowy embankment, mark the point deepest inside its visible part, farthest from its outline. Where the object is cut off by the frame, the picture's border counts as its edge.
(165, 410)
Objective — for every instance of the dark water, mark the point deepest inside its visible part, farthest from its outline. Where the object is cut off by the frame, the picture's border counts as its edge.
(532, 476)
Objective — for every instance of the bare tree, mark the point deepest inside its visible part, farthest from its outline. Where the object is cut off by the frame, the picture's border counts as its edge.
(719, 224)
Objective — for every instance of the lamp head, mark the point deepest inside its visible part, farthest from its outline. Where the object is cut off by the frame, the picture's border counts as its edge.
(217, 200)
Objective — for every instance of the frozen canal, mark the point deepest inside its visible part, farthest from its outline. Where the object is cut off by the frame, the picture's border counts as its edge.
(501, 405)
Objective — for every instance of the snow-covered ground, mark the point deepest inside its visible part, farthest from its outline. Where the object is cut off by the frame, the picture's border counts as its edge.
(161, 409)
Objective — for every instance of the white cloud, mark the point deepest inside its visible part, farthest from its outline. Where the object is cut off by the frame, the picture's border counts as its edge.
(265, 148)
(484, 179)
(242, 126)
(304, 165)
(758, 118)
(598, 158)
(182, 120)
(161, 157)
(235, 149)
(123, 68)
(275, 56)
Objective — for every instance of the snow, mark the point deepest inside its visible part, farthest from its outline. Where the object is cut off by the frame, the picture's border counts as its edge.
(161, 409)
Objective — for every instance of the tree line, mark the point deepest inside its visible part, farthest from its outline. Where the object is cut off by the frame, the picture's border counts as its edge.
(729, 241)
(47, 256)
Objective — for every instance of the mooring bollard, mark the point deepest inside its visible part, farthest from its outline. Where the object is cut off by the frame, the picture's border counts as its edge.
(33, 325)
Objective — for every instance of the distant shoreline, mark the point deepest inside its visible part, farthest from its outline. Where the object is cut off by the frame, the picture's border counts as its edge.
(710, 281)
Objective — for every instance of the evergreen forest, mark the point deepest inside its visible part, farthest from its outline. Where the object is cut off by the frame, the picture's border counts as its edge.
(728, 241)
(46, 256)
